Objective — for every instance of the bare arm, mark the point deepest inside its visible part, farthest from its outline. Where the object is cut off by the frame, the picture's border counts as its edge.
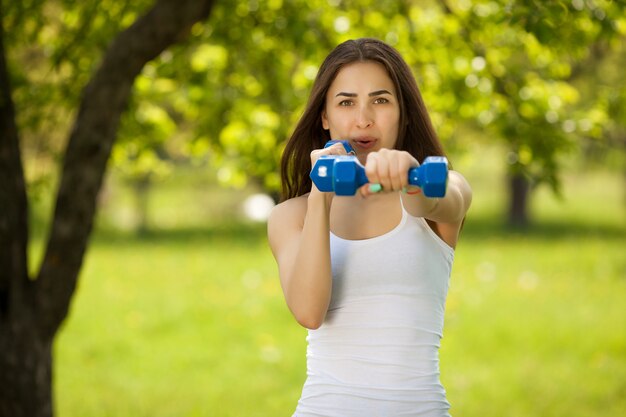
(298, 232)
(445, 215)
(299, 236)
(449, 209)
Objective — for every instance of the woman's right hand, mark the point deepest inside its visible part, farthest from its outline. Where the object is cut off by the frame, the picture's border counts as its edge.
(334, 149)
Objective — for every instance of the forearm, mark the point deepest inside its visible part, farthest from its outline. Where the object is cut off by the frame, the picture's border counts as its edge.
(448, 209)
(309, 283)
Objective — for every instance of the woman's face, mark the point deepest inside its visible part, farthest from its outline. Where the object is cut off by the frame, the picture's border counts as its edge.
(362, 107)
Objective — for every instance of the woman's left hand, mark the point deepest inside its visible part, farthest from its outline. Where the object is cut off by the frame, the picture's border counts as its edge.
(389, 168)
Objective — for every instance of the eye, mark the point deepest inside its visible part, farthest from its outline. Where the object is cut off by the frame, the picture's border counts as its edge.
(381, 100)
(346, 103)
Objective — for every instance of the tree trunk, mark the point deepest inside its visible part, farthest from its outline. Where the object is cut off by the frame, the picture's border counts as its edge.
(25, 361)
(25, 371)
(519, 188)
(141, 188)
(31, 310)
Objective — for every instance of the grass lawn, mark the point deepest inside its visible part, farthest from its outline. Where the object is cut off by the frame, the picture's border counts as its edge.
(193, 323)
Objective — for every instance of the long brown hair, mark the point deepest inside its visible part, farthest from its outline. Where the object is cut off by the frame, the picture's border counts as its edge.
(416, 134)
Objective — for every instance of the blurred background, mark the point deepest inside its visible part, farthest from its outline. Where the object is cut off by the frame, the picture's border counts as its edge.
(179, 310)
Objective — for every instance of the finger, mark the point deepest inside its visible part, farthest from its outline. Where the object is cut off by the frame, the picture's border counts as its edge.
(371, 168)
(338, 149)
(335, 149)
(377, 169)
(406, 161)
(382, 171)
(396, 170)
(369, 189)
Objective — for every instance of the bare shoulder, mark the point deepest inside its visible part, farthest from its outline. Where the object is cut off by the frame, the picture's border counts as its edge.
(287, 210)
(285, 220)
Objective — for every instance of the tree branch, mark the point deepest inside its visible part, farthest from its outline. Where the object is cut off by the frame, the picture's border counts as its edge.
(94, 132)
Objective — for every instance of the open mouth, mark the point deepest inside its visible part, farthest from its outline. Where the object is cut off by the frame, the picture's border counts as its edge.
(364, 143)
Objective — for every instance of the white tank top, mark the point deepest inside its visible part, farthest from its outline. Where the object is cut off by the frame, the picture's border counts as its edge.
(377, 352)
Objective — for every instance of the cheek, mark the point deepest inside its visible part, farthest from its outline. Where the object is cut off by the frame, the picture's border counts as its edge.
(338, 120)
(392, 120)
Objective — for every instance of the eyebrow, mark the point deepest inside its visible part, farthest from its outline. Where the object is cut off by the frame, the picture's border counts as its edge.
(378, 93)
(372, 94)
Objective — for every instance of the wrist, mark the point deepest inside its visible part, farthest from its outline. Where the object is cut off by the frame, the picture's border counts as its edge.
(317, 197)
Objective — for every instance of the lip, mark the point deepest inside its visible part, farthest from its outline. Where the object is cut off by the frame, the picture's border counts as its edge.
(364, 142)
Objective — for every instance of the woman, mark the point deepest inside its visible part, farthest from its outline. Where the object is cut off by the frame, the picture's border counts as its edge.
(367, 275)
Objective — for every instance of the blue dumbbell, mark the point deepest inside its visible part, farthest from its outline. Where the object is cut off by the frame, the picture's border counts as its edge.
(344, 174)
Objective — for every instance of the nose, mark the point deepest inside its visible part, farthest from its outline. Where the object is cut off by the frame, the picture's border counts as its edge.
(364, 117)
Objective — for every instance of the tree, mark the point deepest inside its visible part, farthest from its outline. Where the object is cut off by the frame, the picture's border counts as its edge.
(33, 307)
(507, 71)
(527, 58)
(510, 72)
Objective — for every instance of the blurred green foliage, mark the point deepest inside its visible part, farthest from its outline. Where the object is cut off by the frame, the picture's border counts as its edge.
(541, 77)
